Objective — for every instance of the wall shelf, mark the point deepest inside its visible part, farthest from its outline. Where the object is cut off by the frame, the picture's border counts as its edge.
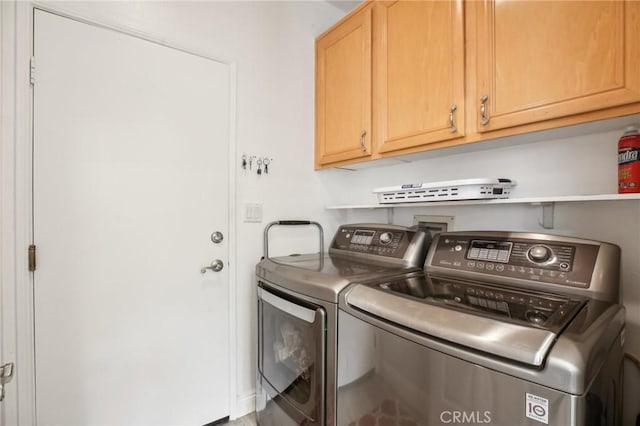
(547, 203)
(527, 200)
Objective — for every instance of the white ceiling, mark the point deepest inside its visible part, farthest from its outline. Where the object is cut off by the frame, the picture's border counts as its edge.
(344, 5)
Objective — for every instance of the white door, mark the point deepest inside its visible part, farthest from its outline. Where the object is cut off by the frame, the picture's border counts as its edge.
(131, 143)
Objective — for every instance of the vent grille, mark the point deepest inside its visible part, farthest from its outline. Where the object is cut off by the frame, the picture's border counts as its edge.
(419, 195)
(444, 193)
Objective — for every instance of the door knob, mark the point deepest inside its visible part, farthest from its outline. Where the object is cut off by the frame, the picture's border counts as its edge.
(216, 266)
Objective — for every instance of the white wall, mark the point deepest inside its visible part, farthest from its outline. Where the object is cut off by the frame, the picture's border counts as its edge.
(570, 161)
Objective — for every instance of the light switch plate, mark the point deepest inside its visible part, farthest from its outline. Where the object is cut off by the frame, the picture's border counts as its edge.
(253, 212)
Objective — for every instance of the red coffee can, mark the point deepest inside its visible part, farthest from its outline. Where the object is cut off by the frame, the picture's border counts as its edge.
(628, 161)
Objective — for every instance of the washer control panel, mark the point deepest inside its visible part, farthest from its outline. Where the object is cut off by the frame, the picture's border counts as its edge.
(520, 253)
(541, 260)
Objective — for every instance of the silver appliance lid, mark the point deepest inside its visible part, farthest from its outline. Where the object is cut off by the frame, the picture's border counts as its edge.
(358, 252)
(568, 360)
(323, 277)
(511, 341)
(512, 324)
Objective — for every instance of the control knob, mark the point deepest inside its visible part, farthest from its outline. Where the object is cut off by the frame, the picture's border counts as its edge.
(539, 254)
(536, 317)
(386, 238)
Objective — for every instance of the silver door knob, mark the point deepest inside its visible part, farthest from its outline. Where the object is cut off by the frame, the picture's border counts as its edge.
(216, 266)
(217, 237)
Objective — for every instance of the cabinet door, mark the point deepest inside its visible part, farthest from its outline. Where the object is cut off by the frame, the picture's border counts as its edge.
(419, 73)
(539, 60)
(343, 91)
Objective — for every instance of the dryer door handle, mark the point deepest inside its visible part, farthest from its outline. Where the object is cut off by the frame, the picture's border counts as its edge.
(290, 308)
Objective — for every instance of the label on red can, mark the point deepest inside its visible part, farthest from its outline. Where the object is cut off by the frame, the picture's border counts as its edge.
(629, 162)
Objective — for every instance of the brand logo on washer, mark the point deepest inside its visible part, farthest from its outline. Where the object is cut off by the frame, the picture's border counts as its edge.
(465, 417)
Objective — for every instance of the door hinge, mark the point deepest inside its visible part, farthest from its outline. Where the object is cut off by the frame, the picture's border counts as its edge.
(32, 258)
(32, 70)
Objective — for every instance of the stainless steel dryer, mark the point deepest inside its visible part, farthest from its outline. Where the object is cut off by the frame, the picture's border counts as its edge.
(502, 329)
(297, 315)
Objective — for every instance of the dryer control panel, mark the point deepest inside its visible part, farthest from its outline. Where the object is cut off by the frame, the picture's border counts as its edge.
(378, 241)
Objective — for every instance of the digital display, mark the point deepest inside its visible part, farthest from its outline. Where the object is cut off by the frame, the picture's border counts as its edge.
(363, 237)
(493, 251)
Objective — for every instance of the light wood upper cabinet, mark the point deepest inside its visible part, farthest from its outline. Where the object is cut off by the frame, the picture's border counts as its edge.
(418, 73)
(388, 75)
(343, 91)
(540, 60)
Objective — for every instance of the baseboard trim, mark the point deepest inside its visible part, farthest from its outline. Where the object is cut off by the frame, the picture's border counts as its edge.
(245, 404)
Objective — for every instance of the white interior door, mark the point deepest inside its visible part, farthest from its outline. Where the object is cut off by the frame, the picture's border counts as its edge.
(131, 143)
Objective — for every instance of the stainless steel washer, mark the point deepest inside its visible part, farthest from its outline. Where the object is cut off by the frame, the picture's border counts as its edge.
(297, 315)
(502, 329)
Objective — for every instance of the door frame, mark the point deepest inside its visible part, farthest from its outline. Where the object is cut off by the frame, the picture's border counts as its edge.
(16, 190)
(17, 346)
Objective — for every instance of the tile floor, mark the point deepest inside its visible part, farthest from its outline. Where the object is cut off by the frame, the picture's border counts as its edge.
(248, 420)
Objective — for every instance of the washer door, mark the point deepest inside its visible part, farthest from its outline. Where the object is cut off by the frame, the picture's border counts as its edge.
(291, 353)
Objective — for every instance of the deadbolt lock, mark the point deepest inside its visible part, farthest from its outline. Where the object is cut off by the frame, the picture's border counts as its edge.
(217, 237)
